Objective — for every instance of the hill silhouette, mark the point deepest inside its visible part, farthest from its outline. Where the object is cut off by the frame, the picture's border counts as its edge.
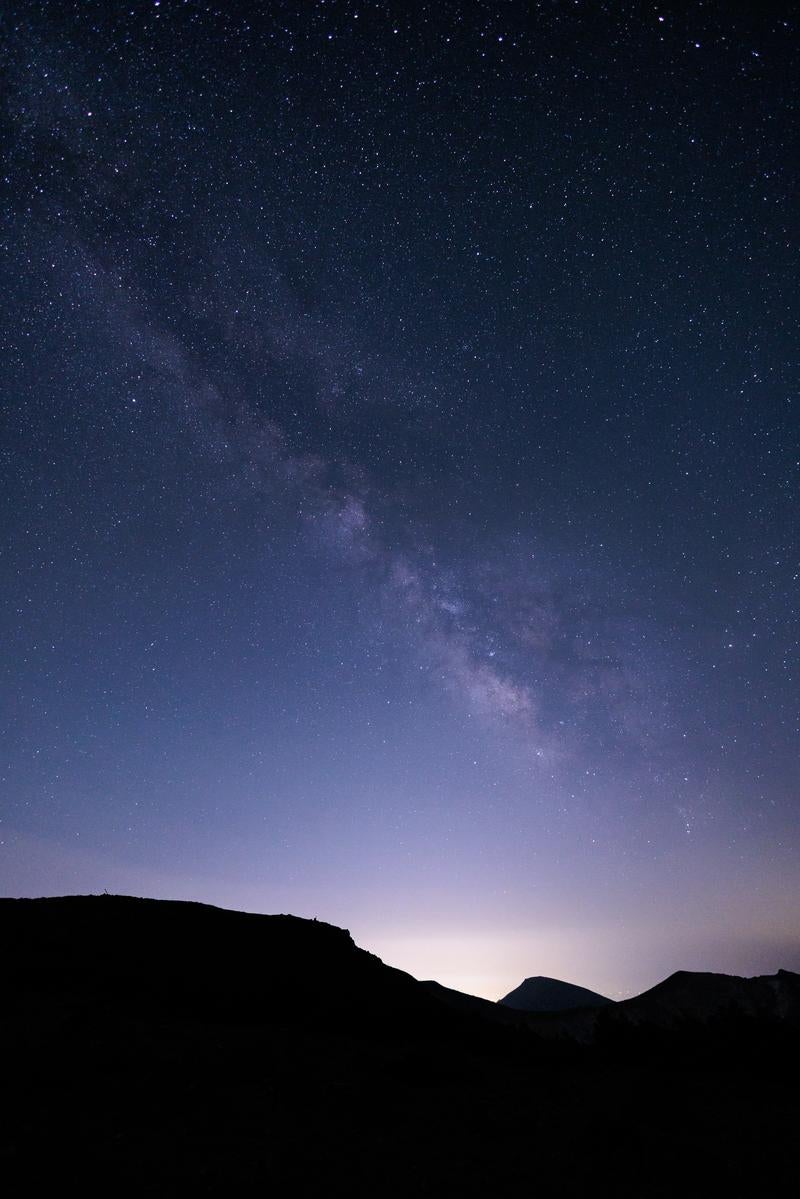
(196, 960)
(168, 1048)
(543, 994)
(702, 996)
(685, 1000)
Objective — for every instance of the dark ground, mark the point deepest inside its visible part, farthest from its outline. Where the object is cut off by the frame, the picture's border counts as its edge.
(163, 1049)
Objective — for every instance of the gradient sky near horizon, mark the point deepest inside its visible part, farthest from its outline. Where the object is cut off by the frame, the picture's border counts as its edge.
(400, 446)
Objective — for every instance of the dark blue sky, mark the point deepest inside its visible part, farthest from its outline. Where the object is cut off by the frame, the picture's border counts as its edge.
(400, 441)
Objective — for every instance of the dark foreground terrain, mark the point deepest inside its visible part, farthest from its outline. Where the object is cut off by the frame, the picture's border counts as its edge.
(166, 1048)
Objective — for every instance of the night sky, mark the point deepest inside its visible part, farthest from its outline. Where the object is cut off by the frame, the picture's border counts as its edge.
(400, 442)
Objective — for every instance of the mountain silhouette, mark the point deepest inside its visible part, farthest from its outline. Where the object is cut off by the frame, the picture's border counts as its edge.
(700, 996)
(204, 961)
(683, 1000)
(166, 1048)
(543, 994)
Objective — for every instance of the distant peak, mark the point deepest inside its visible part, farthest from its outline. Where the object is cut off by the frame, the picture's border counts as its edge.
(542, 994)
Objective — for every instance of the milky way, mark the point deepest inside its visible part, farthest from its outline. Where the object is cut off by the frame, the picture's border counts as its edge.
(401, 474)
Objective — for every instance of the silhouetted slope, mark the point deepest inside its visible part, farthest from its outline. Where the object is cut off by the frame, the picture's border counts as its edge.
(459, 1001)
(543, 994)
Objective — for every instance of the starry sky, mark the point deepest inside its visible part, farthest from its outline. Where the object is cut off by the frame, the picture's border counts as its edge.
(400, 447)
